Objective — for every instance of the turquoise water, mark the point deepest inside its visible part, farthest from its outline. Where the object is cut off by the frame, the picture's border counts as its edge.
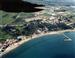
(50, 46)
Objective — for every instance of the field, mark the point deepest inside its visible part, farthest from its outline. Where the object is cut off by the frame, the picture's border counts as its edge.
(13, 18)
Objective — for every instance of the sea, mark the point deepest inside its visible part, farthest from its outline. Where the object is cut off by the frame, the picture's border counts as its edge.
(49, 46)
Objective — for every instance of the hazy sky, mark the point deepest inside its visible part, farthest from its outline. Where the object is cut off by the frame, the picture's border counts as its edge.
(54, 0)
(42, 1)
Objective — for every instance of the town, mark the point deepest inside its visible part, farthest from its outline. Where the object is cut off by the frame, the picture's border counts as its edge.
(48, 20)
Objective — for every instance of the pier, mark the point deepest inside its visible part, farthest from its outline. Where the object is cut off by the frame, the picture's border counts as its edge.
(66, 38)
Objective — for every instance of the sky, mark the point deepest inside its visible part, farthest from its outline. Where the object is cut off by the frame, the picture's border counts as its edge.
(54, 0)
(58, 1)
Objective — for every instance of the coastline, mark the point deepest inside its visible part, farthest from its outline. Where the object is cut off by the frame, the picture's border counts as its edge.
(24, 40)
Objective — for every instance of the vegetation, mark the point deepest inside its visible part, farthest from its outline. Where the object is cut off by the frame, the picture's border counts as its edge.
(29, 28)
(4, 35)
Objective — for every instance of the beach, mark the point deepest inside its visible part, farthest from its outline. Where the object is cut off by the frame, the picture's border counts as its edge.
(24, 39)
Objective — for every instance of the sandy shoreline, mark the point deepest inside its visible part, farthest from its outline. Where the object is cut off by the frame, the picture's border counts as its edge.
(24, 40)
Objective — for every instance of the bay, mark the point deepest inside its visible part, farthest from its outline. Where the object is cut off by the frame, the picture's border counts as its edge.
(50, 46)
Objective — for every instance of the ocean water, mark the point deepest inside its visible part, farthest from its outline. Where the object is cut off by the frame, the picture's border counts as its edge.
(49, 46)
